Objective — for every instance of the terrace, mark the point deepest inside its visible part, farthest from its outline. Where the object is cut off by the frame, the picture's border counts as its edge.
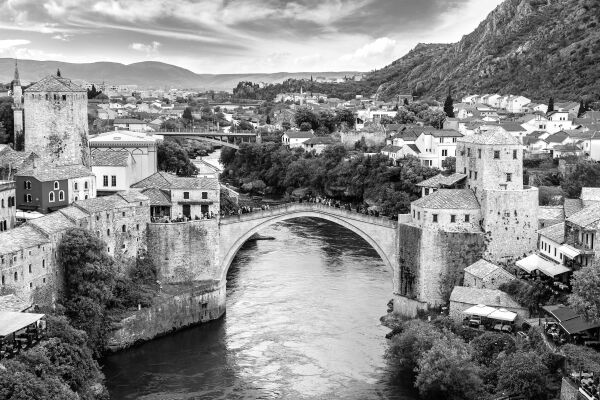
(20, 331)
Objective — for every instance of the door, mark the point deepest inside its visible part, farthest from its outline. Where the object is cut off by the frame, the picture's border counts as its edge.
(186, 210)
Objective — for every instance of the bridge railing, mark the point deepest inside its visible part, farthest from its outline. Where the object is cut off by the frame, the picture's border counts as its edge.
(206, 132)
(288, 208)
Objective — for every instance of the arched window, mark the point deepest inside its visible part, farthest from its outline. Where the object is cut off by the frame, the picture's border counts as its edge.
(108, 232)
(124, 228)
(28, 198)
(56, 185)
(28, 185)
(85, 185)
(76, 186)
(30, 268)
(86, 196)
(61, 195)
(2, 203)
(43, 263)
(51, 197)
(16, 276)
(2, 280)
(76, 198)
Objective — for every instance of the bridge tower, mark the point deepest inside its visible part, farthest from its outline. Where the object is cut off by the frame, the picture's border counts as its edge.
(17, 107)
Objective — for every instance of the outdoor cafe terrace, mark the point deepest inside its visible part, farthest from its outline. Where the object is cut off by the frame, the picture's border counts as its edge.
(20, 331)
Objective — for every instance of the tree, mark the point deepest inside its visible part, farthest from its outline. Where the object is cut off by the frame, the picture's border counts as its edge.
(7, 117)
(585, 174)
(187, 115)
(405, 101)
(58, 73)
(173, 158)
(488, 346)
(449, 164)
(416, 338)
(305, 126)
(523, 374)
(551, 104)
(449, 106)
(582, 109)
(304, 115)
(433, 117)
(347, 117)
(447, 371)
(585, 295)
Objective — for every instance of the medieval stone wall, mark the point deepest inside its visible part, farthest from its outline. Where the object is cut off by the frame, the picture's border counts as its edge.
(371, 138)
(185, 251)
(56, 127)
(510, 220)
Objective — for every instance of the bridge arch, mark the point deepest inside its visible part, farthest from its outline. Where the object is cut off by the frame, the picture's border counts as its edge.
(230, 248)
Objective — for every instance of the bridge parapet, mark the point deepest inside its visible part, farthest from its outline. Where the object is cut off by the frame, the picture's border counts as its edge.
(290, 208)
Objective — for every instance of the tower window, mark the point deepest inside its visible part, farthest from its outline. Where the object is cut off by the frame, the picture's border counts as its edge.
(497, 154)
(514, 154)
(56, 185)
(452, 218)
(64, 97)
(124, 228)
(76, 186)
(478, 153)
(204, 195)
(85, 185)
(186, 195)
(508, 177)
(51, 197)
(435, 218)
(467, 218)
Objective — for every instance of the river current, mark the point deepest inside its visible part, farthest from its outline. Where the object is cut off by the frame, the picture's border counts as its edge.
(302, 322)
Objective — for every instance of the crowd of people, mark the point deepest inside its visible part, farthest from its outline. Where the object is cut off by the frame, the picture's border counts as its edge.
(182, 218)
(359, 208)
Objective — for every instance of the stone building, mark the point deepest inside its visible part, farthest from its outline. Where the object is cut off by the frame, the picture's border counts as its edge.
(463, 298)
(8, 208)
(485, 275)
(48, 187)
(17, 95)
(56, 123)
(188, 196)
(28, 253)
(494, 215)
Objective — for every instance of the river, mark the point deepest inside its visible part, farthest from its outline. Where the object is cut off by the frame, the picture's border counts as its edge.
(302, 322)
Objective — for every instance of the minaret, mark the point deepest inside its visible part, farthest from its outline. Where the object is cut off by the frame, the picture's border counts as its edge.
(17, 93)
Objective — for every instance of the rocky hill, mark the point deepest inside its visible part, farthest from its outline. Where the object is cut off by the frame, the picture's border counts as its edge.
(538, 48)
(149, 74)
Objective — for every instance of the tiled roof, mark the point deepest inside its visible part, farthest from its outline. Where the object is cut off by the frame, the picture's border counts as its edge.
(122, 136)
(163, 180)
(441, 180)
(102, 158)
(483, 268)
(444, 133)
(132, 196)
(53, 83)
(157, 197)
(551, 213)
(11, 302)
(451, 199)
(493, 136)
(558, 137)
(414, 148)
(73, 213)
(300, 134)
(321, 140)
(588, 217)
(52, 223)
(572, 206)
(567, 147)
(50, 172)
(512, 127)
(555, 232)
(101, 204)
(390, 148)
(14, 159)
(22, 237)
(488, 297)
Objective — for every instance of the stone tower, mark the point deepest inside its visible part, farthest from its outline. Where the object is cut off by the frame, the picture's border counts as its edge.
(56, 125)
(17, 93)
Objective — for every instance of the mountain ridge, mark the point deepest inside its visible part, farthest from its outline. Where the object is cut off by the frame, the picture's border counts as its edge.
(145, 74)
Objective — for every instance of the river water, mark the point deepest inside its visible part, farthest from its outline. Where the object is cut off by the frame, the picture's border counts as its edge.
(302, 322)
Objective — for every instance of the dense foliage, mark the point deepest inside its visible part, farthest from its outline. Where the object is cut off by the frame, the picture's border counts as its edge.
(172, 157)
(586, 291)
(334, 174)
(60, 368)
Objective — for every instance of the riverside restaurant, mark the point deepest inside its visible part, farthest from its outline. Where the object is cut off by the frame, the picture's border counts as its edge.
(20, 331)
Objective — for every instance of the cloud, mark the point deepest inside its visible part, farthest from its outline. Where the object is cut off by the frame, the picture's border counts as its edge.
(378, 47)
(10, 43)
(150, 48)
(62, 36)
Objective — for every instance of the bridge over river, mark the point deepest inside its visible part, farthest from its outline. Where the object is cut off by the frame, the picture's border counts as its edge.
(228, 139)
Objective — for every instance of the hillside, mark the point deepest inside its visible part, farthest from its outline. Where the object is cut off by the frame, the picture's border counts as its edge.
(147, 74)
(538, 48)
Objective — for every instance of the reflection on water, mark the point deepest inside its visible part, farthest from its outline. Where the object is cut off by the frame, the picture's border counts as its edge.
(302, 322)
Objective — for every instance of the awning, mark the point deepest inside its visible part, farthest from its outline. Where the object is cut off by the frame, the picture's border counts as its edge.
(569, 251)
(535, 262)
(11, 322)
(503, 315)
(480, 310)
(577, 325)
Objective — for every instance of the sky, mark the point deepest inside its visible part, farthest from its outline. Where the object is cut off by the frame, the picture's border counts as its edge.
(234, 36)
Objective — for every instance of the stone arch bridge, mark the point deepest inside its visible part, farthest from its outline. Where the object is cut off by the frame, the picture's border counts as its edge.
(234, 231)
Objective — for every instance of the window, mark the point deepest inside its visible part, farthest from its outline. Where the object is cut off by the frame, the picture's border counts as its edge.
(64, 97)
(470, 174)
(186, 195)
(123, 213)
(419, 215)
(497, 154)
(426, 191)
(475, 175)
(56, 185)
(453, 218)
(51, 197)
(108, 232)
(444, 153)
(29, 268)
(508, 177)
(465, 170)
(85, 185)
(61, 195)
(467, 218)
(43, 263)
(204, 195)
(2, 203)
(468, 152)
(137, 227)
(515, 154)
(478, 153)
(16, 276)
(105, 180)
(76, 198)
(113, 180)
(124, 228)
(453, 140)
(435, 219)
(75, 186)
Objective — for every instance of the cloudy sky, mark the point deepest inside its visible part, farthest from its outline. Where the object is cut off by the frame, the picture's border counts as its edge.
(228, 36)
